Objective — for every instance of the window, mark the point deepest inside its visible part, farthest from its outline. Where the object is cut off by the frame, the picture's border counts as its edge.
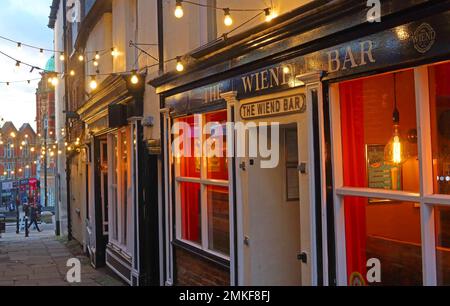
(9, 152)
(202, 183)
(375, 228)
(439, 85)
(9, 170)
(120, 186)
(385, 209)
(113, 187)
(25, 150)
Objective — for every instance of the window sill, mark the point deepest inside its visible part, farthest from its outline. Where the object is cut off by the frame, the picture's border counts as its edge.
(203, 254)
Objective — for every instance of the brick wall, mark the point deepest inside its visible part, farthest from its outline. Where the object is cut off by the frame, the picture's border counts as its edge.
(192, 270)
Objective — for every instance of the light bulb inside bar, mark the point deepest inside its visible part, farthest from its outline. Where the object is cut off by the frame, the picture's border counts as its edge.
(72, 72)
(396, 151)
(95, 64)
(228, 21)
(62, 57)
(81, 57)
(97, 56)
(179, 13)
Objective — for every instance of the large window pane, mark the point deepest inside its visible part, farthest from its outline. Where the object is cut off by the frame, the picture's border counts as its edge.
(388, 231)
(216, 146)
(442, 216)
(191, 212)
(440, 125)
(379, 152)
(218, 219)
(190, 162)
(114, 187)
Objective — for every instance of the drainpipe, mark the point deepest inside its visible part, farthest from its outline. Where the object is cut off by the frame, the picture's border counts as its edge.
(66, 101)
(160, 25)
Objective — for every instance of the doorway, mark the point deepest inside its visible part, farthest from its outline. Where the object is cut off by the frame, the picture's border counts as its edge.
(272, 228)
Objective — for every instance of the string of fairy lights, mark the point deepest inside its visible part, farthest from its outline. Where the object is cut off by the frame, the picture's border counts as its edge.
(94, 56)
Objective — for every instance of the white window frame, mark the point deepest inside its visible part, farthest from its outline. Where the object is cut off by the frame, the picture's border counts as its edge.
(426, 197)
(204, 183)
(116, 196)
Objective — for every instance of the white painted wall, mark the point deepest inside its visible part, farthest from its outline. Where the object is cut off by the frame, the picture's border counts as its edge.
(60, 124)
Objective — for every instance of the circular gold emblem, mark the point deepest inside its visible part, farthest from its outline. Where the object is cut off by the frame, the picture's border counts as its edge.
(424, 38)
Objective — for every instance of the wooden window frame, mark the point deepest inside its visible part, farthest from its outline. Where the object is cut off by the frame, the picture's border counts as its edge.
(426, 197)
(204, 182)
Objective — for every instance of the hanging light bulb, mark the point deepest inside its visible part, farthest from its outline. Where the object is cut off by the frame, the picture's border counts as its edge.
(134, 78)
(95, 64)
(396, 151)
(41, 52)
(268, 14)
(179, 13)
(72, 72)
(54, 81)
(93, 83)
(228, 20)
(114, 52)
(17, 66)
(62, 57)
(7, 83)
(97, 56)
(81, 57)
(180, 66)
(19, 45)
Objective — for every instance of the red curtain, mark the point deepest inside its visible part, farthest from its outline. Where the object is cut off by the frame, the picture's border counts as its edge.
(354, 161)
(191, 212)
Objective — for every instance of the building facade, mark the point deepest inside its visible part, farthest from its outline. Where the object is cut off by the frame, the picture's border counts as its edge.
(108, 166)
(18, 161)
(297, 150)
(352, 188)
(46, 132)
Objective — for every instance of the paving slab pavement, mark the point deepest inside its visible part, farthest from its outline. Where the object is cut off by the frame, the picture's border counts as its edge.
(40, 261)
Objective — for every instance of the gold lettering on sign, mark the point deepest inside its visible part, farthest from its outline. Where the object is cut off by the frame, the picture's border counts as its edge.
(275, 107)
(350, 58)
(267, 79)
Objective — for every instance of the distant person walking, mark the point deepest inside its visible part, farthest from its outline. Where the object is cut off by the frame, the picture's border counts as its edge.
(34, 214)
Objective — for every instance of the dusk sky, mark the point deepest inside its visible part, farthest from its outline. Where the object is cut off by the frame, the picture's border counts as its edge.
(25, 21)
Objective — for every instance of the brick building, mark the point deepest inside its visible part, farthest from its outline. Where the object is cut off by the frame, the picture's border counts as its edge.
(45, 117)
(18, 152)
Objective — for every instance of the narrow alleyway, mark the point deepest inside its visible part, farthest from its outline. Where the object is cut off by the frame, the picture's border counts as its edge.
(40, 260)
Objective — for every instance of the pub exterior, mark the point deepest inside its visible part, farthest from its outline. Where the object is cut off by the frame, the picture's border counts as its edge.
(363, 173)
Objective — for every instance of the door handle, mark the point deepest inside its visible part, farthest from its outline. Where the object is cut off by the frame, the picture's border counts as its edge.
(303, 257)
(242, 166)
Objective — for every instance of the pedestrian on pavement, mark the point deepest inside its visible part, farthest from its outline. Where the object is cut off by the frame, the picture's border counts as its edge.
(34, 218)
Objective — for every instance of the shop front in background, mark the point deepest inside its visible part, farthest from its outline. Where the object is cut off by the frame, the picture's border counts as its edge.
(391, 144)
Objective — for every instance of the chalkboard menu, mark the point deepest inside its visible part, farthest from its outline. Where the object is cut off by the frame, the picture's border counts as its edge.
(380, 174)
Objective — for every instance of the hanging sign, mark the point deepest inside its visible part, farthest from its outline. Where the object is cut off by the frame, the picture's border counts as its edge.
(274, 107)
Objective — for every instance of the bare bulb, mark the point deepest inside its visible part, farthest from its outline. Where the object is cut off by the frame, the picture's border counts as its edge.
(134, 79)
(180, 66)
(228, 21)
(93, 84)
(179, 13)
